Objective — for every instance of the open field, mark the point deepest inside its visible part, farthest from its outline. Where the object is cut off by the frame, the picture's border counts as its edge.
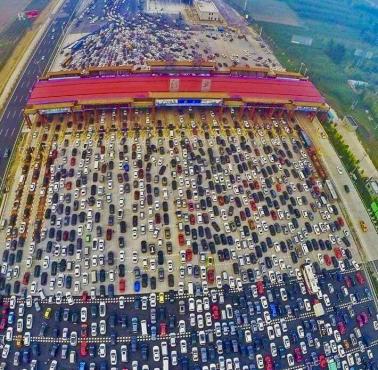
(8, 13)
(17, 38)
(272, 11)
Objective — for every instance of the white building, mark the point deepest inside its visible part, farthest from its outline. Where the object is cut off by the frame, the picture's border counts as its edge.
(207, 11)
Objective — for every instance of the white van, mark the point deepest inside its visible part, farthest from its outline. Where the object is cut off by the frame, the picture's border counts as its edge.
(143, 325)
(94, 276)
(165, 363)
(72, 357)
(190, 288)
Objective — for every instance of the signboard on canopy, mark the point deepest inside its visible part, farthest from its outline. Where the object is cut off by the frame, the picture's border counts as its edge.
(307, 109)
(54, 111)
(188, 102)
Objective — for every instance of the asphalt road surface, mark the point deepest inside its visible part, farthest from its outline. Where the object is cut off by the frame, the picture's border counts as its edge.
(11, 120)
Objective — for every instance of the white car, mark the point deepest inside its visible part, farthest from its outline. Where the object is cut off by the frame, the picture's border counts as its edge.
(183, 347)
(102, 327)
(286, 341)
(123, 353)
(94, 329)
(113, 357)
(156, 353)
(102, 350)
(248, 336)
(29, 321)
(83, 314)
(260, 361)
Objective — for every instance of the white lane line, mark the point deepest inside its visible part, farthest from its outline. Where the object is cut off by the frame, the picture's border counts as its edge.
(14, 113)
(14, 128)
(1, 131)
(8, 114)
(6, 132)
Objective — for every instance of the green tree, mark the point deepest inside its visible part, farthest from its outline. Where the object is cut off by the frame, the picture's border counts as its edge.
(335, 51)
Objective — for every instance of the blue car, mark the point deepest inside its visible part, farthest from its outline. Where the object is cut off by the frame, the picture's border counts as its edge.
(137, 286)
(126, 167)
(81, 365)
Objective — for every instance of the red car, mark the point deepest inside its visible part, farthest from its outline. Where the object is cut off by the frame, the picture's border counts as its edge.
(192, 219)
(210, 276)
(256, 184)
(323, 363)
(188, 255)
(73, 161)
(157, 218)
(268, 363)
(360, 278)
(298, 355)
(253, 205)
(260, 287)
(69, 185)
(327, 260)
(341, 327)
(84, 296)
(242, 216)
(190, 206)
(3, 323)
(181, 239)
(109, 234)
(220, 200)
(278, 187)
(84, 331)
(341, 221)
(274, 215)
(5, 309)
(122, 285)
(65, 235)
(163, 328)
(83, 349)
(338, 253)
(25, 279)
(215, 313)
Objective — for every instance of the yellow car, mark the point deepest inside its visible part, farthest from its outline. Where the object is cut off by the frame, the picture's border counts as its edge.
(19, 342)
(210, 262)
(363, 226)
(161, 297)
(47, 313)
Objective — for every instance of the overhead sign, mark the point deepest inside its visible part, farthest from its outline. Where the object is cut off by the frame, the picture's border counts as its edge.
(307, 109)
(188, 102)
(54, 111)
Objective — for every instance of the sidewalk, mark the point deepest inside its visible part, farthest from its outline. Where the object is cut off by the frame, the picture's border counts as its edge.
(351, 201)
(358, 150)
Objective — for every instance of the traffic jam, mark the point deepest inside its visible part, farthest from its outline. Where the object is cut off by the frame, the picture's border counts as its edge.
(195, 243)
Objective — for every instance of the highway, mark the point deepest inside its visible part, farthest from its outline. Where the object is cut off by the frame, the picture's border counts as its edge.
(11, 119)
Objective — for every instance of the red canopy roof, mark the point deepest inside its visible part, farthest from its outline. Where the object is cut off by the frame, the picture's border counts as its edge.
(74, 90)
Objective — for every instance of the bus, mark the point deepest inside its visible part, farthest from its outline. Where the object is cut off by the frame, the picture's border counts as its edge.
(310, 279)
(331, 189)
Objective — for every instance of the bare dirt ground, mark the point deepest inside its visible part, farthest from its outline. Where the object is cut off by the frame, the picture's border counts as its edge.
(9, 11)
(273, 11)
